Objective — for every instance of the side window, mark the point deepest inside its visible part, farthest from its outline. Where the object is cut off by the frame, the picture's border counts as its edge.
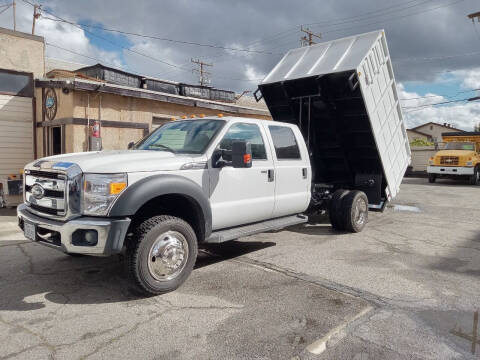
(248, 132)
(285, 144)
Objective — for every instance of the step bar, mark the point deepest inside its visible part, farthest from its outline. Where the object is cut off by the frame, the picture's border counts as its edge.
(251, 229)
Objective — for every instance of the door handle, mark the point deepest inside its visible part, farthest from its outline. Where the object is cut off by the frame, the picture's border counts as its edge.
(304, 173)
(271, 175)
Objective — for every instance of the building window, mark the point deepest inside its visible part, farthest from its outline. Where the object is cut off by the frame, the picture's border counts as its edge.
(16, 83)
(431, 127)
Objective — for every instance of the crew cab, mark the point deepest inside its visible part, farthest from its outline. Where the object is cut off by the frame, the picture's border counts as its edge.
(337, 143)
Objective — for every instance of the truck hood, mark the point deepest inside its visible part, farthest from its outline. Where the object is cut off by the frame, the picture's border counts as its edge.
(455, 153)
(116, 161)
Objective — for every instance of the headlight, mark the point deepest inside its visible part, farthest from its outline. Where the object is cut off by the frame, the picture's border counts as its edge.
(100, 190)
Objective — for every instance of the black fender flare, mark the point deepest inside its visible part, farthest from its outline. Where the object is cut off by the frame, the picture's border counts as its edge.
(144, 190)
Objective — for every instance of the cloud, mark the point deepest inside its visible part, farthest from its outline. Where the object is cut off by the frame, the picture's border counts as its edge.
(470, 78)
(62, 35)
(252, 74)
(416, 111)
(270, 25)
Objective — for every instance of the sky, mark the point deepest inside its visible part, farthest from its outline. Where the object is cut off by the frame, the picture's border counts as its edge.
(435, 48)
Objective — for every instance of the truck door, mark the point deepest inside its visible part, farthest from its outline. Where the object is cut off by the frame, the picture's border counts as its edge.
(293, 174)
(242, 196)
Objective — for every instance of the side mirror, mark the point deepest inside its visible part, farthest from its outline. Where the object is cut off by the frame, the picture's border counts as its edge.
(131, 144)
(241, 154)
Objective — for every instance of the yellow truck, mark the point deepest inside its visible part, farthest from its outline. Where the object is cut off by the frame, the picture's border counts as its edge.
(460, 157)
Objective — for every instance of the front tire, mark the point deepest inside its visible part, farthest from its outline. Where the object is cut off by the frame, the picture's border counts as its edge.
(355, 211)
(474, 177)
(162, 254)
(432, 178)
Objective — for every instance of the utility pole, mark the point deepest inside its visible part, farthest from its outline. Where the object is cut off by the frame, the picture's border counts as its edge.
(474, 16)
(307, 39)
(14, 19)
(36, 15)
(202, 73)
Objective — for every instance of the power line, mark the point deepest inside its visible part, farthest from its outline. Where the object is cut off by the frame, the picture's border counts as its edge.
(7, 7)
(161, 38)
(134, 51)
(120, 66)
(434, 58)
(398, 17)
(109, 41)
(386, 19)
(422, 107)
(83, 55)
(440, 95)
(371, 14)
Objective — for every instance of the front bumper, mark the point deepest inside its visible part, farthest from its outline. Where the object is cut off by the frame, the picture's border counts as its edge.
(450, 170)
(59, 235)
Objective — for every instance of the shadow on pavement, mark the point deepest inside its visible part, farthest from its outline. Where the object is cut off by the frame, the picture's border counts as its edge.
(457, 262)
(8, 212)
(62, 279)
(439, 182)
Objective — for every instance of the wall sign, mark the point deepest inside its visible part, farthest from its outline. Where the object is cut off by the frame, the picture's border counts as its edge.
(50, 104)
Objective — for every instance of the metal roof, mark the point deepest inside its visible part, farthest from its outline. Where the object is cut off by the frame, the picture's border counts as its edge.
(324, 58)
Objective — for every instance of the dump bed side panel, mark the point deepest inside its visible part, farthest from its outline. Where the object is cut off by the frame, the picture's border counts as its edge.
(379, 90)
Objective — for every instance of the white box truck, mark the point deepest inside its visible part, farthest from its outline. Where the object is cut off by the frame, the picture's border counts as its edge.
(338, 143)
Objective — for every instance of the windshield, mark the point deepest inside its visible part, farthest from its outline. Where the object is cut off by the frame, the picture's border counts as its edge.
(457, 145)
(187, 137)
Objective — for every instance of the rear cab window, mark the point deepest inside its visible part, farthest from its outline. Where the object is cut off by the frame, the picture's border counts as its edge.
(284, 142)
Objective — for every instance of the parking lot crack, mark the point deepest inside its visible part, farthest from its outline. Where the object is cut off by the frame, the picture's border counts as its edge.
(44, 342)
(123, 334)
(18, 353)
(29, 258)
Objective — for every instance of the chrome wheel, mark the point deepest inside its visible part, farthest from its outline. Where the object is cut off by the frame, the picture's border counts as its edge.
(168, 256)
(361, 211)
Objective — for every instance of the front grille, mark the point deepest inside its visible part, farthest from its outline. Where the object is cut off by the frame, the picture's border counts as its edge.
(45, 174)
(44, 209)
(45, 192)
(449, 160)
(49, 193)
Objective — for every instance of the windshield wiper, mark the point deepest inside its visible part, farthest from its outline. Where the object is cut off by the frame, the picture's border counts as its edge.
(163, 147)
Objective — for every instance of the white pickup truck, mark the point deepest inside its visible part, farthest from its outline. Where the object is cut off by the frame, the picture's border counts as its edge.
(338, 144)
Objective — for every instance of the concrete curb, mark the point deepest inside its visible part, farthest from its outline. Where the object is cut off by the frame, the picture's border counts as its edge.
(320, 345)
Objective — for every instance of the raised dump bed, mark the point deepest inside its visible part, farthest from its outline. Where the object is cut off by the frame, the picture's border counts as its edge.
(342, 94)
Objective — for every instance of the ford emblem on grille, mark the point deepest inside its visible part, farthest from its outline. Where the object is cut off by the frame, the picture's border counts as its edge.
(38, 191)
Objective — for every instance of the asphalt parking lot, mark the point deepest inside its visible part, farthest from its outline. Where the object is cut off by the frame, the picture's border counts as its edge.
(402, 289)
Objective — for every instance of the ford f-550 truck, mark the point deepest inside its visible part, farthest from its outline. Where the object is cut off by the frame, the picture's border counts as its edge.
(337, 143)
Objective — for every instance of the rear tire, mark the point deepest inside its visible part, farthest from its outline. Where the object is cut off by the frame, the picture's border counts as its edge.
(432, 178)
(161, 255)
(335, 211)
(474, 177)
(355, 211)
